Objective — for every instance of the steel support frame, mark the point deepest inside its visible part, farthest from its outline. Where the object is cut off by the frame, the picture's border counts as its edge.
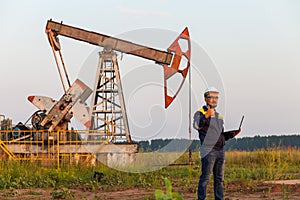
(107, 110)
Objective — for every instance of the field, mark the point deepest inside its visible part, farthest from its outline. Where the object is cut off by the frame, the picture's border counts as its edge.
(248, 175)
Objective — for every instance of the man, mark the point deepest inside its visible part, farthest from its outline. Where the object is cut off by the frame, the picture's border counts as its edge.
(209, 124)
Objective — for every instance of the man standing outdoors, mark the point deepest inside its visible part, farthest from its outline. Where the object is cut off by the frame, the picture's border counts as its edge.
(209, 124)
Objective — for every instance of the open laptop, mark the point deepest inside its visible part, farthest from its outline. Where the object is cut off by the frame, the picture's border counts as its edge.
(231, 131)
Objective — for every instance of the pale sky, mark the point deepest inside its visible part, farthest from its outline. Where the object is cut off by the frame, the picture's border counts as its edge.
(249, 49)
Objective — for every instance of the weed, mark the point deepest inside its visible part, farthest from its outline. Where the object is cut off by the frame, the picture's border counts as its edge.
(11, 193)
(32, 192)
(159, 194)
(63, 193)
(285, 192)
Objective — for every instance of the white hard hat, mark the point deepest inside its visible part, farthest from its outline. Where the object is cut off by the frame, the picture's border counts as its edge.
(211, 89)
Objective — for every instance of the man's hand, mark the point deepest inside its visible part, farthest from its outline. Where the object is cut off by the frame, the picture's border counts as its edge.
(237, 132)
(210, 112)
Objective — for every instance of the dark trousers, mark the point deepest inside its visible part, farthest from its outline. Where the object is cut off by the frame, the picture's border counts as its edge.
(214, 162)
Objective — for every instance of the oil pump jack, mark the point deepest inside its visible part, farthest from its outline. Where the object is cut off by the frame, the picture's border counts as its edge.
(107, 113)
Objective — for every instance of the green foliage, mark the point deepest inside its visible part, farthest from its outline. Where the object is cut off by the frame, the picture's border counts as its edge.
(15, 175)
(245, 168)
(63, 193)
(272, 164)
(285, 192)
(160, 195)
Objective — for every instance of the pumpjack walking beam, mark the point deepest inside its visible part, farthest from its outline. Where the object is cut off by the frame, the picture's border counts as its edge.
(102, 40)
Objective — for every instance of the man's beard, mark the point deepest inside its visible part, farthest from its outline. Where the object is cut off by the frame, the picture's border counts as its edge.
(213, 106)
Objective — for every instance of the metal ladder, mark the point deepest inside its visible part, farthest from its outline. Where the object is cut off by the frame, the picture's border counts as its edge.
(10, 154)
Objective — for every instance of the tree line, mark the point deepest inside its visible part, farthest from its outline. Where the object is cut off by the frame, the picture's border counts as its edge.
(239, 144)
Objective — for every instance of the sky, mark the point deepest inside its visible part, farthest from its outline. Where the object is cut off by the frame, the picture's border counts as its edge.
(248, 49)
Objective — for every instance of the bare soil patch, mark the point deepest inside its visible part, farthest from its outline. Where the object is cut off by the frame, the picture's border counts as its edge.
(287, 189)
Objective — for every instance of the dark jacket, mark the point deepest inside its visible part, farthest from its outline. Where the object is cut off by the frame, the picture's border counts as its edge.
(211, 130)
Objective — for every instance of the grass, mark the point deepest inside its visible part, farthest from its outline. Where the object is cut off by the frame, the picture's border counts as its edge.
(243, 168)
(273, 164)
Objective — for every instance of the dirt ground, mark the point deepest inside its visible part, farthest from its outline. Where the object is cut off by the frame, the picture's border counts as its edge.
(289, 189)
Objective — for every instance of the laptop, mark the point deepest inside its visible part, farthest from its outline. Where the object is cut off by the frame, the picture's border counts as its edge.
(238, 128)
